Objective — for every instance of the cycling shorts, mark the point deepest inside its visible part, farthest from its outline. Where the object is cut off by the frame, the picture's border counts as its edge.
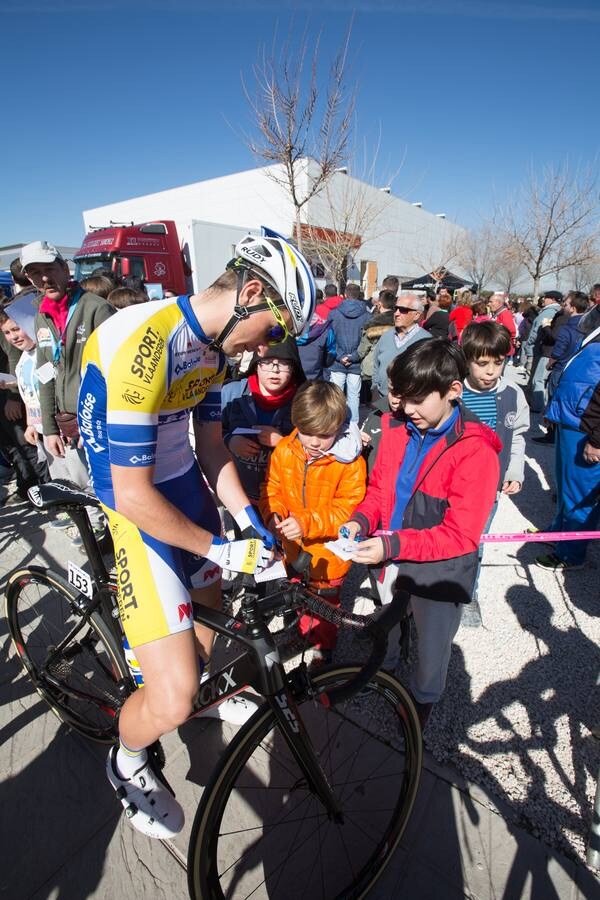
(154, 578)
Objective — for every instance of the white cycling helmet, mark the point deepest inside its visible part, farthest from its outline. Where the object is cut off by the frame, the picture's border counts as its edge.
(277, 262)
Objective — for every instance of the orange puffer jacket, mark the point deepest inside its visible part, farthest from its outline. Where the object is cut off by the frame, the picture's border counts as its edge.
(320, 494)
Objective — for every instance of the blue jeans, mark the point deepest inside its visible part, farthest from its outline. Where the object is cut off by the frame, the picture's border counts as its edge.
(351, 381)
(577, 493)
(537, 384)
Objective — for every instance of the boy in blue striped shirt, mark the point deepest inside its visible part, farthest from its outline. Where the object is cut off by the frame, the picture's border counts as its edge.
(499, 404)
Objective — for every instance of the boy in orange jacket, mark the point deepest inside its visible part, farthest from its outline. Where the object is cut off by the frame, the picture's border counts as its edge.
(315, 478)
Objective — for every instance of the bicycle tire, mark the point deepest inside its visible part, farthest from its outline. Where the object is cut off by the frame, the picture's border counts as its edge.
(211, 873)
(39, 622)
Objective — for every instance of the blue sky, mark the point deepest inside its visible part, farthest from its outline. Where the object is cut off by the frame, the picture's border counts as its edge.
(117, 99)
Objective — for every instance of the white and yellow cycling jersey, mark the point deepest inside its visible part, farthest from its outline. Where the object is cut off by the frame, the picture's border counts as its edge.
(143, 371)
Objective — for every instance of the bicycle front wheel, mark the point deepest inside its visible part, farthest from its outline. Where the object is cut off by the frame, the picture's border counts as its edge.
(80, 682)
(259, 830)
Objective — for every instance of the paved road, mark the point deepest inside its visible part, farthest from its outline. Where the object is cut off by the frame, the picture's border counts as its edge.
(63, 837)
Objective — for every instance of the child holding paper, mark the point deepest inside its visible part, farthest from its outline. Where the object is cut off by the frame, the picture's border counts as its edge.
(256, 411)
(315, 478)
(430, 492)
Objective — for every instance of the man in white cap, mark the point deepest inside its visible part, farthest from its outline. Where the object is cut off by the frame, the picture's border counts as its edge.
(66, 317)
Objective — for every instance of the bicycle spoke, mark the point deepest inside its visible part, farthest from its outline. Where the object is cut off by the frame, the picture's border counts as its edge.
(282, 841)
(70, 656)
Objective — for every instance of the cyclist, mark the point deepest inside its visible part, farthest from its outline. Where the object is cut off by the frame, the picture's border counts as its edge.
(143, 371)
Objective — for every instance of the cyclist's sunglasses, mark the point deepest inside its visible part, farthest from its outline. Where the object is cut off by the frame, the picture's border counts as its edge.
(279, 332)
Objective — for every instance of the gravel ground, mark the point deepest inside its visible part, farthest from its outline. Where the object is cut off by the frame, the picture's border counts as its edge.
(521, 695)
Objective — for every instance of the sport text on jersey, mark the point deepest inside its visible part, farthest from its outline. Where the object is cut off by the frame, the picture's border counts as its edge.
(147, 358)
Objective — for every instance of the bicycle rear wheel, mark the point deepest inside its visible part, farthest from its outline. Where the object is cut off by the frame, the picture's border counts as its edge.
(260, 832)
(80, 684)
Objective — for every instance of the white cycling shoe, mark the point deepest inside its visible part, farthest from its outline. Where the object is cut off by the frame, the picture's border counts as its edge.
(150, 807)
(235, 710)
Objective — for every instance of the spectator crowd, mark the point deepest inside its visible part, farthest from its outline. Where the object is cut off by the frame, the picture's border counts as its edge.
(391, 414)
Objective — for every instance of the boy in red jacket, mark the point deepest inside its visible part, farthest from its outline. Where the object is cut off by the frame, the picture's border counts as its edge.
(431, 491)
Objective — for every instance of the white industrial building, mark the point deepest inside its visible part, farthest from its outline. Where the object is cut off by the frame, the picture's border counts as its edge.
(392, 236)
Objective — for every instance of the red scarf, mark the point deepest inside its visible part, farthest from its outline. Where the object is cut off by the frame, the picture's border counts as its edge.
(271, 401)
(58, 311)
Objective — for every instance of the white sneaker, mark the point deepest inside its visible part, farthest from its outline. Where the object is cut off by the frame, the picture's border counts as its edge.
(235, 710)
(150, 807)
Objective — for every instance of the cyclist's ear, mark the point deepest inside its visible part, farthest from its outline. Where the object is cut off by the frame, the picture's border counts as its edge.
(251, 293)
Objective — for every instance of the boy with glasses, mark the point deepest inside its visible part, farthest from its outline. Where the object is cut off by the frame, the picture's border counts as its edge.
(262, 402)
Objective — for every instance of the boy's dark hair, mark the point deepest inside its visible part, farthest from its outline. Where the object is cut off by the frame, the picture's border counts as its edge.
(330, 290)
(108, 273)
(98, 284)
(479, 308)
(4, 317)
(319, 295)
(18, 275)
(425, 367)
(387, 299)
(579, 301)
(122, 297)
(353, 291)
(485, 339)
(390, 283)
(134, 283)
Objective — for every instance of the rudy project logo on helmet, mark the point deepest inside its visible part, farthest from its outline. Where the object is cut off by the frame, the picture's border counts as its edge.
(253, 254)
(282, 266)
(296, 308)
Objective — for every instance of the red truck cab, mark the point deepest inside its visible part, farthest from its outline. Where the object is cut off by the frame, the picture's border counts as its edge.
(150, 251)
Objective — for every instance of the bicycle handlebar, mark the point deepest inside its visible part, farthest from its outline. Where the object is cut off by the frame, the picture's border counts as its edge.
(376, 627)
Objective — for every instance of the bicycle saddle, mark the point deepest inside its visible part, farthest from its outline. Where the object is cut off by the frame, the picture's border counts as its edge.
(59, 493)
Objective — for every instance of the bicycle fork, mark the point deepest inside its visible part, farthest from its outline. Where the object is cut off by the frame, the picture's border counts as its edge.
(298, 740)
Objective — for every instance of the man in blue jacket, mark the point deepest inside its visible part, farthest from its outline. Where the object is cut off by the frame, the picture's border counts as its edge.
(347, 321)
(575, 408)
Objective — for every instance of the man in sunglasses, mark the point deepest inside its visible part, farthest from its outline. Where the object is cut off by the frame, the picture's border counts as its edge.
(406, 331)
(144, 371)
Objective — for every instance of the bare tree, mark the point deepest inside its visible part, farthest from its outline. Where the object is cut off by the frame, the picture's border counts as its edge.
(509, 269)
(479, 255)
(353, 207)
(296, 119)
(436, 257)
(584, 275)
(552, 223)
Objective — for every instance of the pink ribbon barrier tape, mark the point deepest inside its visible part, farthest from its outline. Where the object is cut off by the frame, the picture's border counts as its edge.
(540, 537)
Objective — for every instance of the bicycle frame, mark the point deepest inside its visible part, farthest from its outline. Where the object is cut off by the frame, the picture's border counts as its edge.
(259, 666)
